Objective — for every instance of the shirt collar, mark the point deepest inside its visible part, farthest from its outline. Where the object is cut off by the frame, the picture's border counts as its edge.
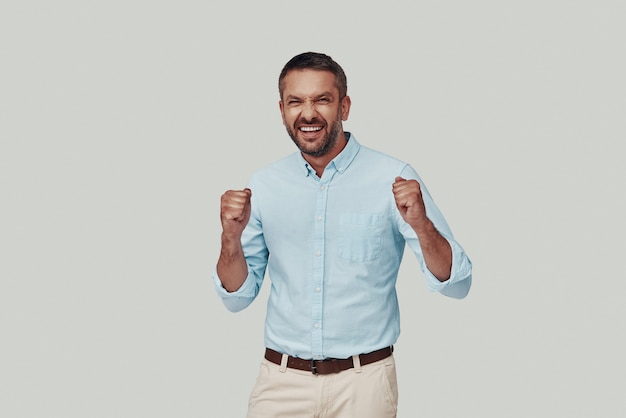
(341, 161)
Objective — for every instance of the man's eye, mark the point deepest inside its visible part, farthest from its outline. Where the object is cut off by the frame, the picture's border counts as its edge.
(294, 102)
(324, 100)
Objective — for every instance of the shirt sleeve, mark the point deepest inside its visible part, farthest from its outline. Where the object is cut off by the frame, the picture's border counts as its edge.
(459, 283)
(256, 254)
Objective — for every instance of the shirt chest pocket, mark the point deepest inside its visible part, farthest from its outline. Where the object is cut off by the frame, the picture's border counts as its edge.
(360, 236)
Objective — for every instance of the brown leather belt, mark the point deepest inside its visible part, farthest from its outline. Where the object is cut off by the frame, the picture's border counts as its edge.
(329, 365)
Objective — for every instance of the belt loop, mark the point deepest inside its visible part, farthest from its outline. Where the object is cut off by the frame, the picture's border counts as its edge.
(356, 361)
(283, 363)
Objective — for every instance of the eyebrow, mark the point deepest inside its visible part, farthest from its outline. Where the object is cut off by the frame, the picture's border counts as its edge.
(326, 93)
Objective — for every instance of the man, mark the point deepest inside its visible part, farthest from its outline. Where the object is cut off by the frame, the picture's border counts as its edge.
(330, 223)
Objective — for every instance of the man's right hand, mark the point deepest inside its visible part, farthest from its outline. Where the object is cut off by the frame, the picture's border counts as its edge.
(235, 211)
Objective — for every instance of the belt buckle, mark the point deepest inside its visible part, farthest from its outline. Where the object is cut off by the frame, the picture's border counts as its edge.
(313, 367)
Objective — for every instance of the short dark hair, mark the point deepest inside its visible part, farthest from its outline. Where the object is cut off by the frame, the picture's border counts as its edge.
(315, 61)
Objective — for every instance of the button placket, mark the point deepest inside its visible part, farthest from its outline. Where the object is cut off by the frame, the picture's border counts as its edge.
(318, 271)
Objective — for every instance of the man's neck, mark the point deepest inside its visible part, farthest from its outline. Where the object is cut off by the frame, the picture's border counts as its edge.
(319, 163)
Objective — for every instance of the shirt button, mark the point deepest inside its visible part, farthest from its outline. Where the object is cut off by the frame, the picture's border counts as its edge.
(319, 218)
(318, 289)
(316, 325)
(318, 253)
(322, 187)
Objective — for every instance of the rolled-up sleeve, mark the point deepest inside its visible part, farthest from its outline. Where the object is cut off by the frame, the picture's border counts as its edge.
(240, 298)
(460, 281)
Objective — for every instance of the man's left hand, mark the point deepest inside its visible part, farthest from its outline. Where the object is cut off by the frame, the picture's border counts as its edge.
(408, 196)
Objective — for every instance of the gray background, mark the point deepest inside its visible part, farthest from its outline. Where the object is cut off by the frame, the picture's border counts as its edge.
(122, 122)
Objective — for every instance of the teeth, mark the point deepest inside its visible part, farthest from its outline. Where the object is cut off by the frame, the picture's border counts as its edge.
(310, 128)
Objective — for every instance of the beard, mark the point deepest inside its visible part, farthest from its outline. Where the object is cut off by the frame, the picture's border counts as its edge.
(327, 143)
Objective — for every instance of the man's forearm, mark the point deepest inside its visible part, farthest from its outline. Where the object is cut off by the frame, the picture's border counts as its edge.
(232, 268)
(436, 251)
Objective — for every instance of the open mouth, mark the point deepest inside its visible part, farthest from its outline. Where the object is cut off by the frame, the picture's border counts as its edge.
(310, 128)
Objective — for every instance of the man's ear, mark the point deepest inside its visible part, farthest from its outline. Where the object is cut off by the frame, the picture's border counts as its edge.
(282, 112)
(345, 107)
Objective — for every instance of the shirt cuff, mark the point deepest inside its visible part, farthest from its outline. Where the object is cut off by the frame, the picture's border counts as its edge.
(247, 289)
(461, 269)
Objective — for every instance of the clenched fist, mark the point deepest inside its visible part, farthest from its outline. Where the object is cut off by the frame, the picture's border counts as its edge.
(235, 211)
(408, 196)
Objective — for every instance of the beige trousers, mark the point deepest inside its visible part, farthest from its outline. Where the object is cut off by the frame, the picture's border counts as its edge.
(369, 391)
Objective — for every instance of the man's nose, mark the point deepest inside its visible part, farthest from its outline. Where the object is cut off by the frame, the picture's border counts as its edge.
(308, 110)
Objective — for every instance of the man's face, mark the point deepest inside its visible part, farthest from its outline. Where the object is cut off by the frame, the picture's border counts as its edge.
(312, 111)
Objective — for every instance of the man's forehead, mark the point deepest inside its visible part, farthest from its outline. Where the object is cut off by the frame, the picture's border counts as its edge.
(299, 81)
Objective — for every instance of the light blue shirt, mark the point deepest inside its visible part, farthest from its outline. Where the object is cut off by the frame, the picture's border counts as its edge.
(332, 247)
